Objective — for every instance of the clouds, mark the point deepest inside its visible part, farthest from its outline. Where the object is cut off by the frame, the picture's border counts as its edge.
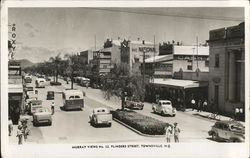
(32, 30)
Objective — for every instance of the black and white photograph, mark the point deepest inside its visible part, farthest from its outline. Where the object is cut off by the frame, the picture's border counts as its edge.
(125, 77)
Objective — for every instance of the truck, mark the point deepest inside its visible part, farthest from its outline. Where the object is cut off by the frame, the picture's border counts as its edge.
(100, 116)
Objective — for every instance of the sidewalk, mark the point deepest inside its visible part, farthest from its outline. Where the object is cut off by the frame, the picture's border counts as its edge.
(207, 115)
(14, 140)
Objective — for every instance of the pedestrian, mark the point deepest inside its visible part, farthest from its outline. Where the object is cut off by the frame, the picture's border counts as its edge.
(168, 130)
(199, 106)
(25, 131)
(205, 105)
(193, 104)
(19, 134)
(10, 126)
(52, 108)
(176, 132)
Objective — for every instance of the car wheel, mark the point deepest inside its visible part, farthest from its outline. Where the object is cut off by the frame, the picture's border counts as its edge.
(141, 108)
(110, 124)
(50, 123)
(154, 110)
(173, 115)
(214, 136)
(162, 113)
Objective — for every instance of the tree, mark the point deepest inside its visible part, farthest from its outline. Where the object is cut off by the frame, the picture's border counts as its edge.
(55, 65)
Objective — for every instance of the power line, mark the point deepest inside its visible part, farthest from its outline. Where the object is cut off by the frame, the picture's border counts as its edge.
(172, 15)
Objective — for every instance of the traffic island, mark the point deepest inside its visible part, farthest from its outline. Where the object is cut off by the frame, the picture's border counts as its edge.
(141, 124)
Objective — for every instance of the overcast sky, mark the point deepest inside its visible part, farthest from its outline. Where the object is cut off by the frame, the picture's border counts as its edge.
(74, 29)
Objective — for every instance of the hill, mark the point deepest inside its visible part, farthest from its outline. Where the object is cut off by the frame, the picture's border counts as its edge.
(25, 63)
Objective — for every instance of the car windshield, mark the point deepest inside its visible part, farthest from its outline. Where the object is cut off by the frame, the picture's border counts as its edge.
(165, 103)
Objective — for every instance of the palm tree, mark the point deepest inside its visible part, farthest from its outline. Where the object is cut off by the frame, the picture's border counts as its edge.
(56, 61)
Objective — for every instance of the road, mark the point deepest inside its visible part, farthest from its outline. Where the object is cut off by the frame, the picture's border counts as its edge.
(73, 126)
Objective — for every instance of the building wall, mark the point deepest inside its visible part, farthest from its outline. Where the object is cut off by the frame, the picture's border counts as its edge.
(183, 64)
(115, 54)
(229, 76)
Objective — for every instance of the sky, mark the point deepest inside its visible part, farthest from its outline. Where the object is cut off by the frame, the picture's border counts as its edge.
(45, 32)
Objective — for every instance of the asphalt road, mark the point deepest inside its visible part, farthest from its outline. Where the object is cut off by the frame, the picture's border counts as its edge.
(74, 127)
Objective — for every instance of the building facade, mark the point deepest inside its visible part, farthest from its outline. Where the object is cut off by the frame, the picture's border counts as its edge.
(227, 67)
(132, 53)
(188, 59)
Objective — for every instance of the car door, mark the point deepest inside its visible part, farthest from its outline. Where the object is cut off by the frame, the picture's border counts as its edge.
(227, 132)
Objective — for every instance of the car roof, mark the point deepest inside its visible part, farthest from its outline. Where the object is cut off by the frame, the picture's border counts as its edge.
(164, 101)
(36, 101)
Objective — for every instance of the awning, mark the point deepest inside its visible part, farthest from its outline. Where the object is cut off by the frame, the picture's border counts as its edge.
(15, 88)
(181, 84)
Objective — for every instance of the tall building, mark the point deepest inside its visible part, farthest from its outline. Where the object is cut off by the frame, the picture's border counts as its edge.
(132, 53)
(226, 68)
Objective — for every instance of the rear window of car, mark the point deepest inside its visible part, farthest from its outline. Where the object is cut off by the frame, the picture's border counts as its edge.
(165, 103)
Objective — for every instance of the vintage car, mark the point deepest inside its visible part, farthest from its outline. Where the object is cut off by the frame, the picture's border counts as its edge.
(30, 92)
(133, 104)
(40, 83)
(42, 115)
(33, 105)
(101, 116)
(50, 95)
(231, 131)
(27, 79)
(164, 107)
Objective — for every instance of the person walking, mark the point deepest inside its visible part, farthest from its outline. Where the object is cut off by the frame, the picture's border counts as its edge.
(176, 132)
(168, 130)
(205, 105)
(52, 108)
(20, 135)
(193, 104)
(10, 125)
(25, 131)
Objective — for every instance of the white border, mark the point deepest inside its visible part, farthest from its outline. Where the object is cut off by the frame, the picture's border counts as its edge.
(177, 150)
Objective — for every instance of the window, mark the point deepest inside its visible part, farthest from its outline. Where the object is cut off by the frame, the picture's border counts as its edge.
(189, 67)
(217, 60)
(77, 96)
(207, 63)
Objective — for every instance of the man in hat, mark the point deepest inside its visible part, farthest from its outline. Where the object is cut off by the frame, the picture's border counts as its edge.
(176, 132)
(20, 135)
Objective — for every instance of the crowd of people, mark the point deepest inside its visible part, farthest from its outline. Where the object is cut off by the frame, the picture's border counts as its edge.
(22, 130)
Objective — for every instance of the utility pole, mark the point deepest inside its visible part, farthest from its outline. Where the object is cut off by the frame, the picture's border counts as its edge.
(143, 66)
(197, 51)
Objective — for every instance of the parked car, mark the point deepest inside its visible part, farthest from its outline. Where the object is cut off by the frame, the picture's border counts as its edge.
(30, 92)
(134, 104)
(27, 79)
(231, 131)
(50, 95)
(164, 107)
(33, 105)
(42, 115)
(101, 116)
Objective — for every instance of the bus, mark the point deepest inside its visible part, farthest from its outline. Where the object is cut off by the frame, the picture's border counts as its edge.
(72, 99)
(40, 83)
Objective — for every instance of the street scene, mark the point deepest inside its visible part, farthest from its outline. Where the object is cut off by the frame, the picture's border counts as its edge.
(109, 75)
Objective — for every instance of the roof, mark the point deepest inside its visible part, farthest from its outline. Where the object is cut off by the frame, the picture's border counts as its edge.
(106, 49)
(183, 84)
(191, 50)
(160, 58)
(140, 42)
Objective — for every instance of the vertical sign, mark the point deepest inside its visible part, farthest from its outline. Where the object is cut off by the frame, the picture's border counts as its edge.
(13, 40)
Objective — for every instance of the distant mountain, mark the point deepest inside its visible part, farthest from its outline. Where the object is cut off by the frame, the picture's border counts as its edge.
(25, 63)
(41, 54)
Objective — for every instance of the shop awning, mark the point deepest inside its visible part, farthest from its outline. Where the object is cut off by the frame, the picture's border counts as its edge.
(15, 88)
(181, 84)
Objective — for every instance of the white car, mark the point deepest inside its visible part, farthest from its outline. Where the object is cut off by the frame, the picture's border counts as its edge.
(100, 116)
(42, 115)
(164, 107)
